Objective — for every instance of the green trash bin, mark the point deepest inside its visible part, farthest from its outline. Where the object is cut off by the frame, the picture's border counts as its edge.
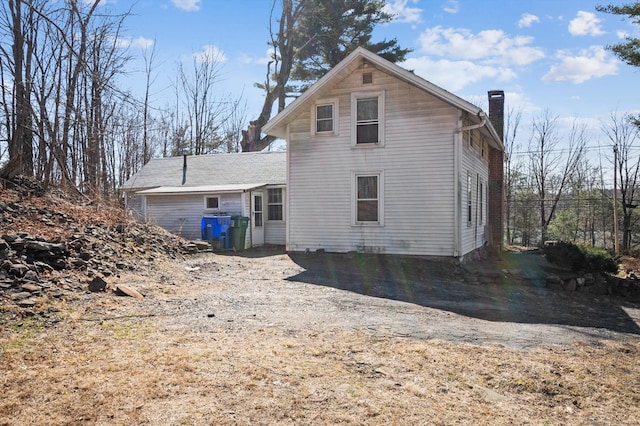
(239, 231)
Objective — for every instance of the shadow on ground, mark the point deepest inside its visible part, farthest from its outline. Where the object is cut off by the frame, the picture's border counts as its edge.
(255, 252)
(511, 289)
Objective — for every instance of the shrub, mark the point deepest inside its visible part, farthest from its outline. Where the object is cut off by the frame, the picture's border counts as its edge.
(598, 259)
(581, 258)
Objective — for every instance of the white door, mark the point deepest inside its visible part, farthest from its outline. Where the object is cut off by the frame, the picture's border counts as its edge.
(257, 224)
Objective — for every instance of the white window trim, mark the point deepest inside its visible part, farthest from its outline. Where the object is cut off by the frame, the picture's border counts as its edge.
(314, 110)
(354, 195)
(469, 204)
(354, 113)
(481, 200)
(211, 209)
(265, 217)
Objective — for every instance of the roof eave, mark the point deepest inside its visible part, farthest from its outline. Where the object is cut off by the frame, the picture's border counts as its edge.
(277, 125)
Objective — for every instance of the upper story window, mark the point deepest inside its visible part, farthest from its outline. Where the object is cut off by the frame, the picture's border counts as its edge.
(367, 114)
(324, 117)
(367, 120)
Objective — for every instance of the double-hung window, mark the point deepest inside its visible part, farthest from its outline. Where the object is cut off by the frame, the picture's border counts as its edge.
(469, 201)
(481, 199)
(324, 117)
(367, 115)
(368, 199)
(274, 204)
(367, 120)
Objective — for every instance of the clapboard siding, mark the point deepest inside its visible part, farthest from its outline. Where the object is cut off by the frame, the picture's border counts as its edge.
(135, 205)
(182, 214)
(274, 232)
(417, 162)
(473, 164)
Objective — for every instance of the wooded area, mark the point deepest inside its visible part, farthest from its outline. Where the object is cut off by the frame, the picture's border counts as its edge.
(66, 120)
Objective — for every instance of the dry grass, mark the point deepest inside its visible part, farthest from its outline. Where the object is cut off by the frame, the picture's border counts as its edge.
(127, 371)
(129, 368)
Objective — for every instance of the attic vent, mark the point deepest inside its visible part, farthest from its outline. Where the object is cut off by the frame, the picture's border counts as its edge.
(367, 78)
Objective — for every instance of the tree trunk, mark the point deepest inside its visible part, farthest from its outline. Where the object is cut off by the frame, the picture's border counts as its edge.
(21, 142)
(284, 44)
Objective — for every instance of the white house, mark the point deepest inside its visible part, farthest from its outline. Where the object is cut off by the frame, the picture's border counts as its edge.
(176, 192)
(380, 160)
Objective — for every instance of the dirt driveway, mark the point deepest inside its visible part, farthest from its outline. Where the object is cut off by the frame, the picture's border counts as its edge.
(502, 302)
(262, 337)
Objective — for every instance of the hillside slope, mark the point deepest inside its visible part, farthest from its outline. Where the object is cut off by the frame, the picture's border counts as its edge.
(53, 244)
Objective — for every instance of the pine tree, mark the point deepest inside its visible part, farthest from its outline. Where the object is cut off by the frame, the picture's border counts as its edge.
(312, 36)
(629, 51)
(335, 28)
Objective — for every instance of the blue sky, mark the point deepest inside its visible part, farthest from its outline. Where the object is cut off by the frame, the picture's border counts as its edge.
(545, 54)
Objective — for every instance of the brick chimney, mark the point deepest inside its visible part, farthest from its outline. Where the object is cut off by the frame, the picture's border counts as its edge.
(496, 111)
(496, 173)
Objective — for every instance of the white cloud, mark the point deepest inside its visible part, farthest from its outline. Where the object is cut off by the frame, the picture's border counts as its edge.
(402, 12)
(493, 46)
(138, 42)
(101, 3)
(455, 75)
(141, 42)
(527, 20)
(585, 23)
(210, 53)
(451, 6)
(590, 63)
(622, 35)
(519, 101)
(187, 5)
(259, 60)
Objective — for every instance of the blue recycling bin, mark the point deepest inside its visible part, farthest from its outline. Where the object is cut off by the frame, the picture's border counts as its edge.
(216, 228)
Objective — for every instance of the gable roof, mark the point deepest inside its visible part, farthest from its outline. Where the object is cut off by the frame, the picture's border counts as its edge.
(231, 170)
(277, 126)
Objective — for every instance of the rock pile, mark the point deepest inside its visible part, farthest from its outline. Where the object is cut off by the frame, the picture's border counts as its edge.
(34, 268)
(597, 283)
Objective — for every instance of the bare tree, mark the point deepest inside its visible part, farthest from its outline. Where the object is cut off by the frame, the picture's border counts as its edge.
(551, 170)
(104, 63)
(284, 44)
(232, 129)
(512, 167)
(20, 20)
(623, 134)
(149, 57)
(206, 110)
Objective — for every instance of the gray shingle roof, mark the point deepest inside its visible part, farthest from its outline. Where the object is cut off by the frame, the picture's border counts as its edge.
(217, 169)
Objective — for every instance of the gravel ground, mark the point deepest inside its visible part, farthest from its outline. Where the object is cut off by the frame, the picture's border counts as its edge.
(505, 304)
(262, 337)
